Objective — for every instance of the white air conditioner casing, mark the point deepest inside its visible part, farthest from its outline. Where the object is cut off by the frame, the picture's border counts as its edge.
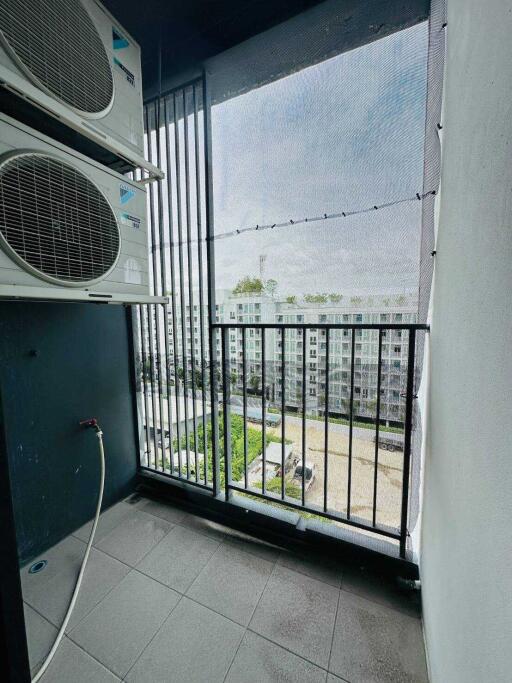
(70, 228)
(71, 59)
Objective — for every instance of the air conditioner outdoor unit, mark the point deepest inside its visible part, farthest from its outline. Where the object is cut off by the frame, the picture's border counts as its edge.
(71, 59)
(69, 228)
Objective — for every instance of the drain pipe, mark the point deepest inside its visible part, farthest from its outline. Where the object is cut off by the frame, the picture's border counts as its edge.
(90, 423)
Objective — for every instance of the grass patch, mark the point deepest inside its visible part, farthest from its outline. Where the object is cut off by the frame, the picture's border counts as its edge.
(254, 447)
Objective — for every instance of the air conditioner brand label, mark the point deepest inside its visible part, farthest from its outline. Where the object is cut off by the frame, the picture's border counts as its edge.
(127, 74)
(130, 221)
(126, 193)
(119, 42)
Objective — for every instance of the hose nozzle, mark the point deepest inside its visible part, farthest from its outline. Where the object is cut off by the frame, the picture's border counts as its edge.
(91, 422)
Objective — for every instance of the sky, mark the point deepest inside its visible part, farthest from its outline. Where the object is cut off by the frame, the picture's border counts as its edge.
(342, 135)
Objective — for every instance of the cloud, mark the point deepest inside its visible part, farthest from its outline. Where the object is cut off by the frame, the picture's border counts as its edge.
(341, 135)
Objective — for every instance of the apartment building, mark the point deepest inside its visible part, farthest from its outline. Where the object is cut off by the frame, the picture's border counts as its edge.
(351, 309)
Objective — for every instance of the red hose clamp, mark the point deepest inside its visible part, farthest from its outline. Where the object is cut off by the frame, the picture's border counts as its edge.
(91, 422)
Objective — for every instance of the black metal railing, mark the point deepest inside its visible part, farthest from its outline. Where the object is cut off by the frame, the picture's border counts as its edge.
(315, 417)
(335, 485)
(173, 374)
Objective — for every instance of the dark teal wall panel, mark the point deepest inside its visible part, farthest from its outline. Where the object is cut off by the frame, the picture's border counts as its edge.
(60, 363)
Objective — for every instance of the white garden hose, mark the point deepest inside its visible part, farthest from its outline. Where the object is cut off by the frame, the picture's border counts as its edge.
(60, 635)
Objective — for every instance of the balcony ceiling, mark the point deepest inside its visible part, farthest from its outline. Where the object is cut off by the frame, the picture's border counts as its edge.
(194, 30)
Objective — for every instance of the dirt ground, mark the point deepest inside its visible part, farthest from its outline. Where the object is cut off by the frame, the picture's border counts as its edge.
(389, 472)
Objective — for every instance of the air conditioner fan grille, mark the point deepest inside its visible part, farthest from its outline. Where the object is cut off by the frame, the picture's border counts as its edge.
(56, 220)
(57, 42)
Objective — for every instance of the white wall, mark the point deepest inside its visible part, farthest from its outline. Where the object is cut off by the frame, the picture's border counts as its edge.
(466, 565)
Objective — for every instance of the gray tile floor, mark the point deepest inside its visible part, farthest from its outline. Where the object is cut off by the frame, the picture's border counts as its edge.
(168, 596)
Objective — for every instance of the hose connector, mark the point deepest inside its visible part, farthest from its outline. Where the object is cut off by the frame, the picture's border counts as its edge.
(91, 422)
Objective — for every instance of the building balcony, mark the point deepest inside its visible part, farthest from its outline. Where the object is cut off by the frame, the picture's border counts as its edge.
(169, 594)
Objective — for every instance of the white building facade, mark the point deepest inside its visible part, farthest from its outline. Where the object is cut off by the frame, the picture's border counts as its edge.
(349, 310)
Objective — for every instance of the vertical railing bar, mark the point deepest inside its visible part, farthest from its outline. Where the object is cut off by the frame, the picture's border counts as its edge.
(189, 270)
(164, 292)
(173, 283)
(201, 294)
(150, 331)
(156, 308)
(303, 416)
(244, 404)
(263, 415)
(184, 352)
(351, 423)
(152, 372)
(283, 428)
(144, 359)
(407, 440)
(326, 416)
(226, 411)
(377, 427)
(210, 258)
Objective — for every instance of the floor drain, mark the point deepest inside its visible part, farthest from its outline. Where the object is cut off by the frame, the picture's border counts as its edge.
(38, 567)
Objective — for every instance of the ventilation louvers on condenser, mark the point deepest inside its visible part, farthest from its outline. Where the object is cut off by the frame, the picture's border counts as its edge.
(71, 58)
(56, 43)
(55, 222)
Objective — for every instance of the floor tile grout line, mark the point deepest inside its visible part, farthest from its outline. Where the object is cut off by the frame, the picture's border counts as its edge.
(282, 552)
(234, 655)
(261, 594)
(204, 569)
(244, 626)
(131, 566)
(93, 657)
(116, 674)
(146, 553)
(135, 568)
(333, 630)
(287, 649)
(66, 635)
(184, 593)
(102, 513)
(247, 628)
(99, 603)
(250, 619)
(211, 536)
(227, 539)
(57, 626)
(154, 636)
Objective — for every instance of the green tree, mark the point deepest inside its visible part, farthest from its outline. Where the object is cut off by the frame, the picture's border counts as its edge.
(254, 382)
(249, 285)
(291, 299)
(315, 298)
(335, 298)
